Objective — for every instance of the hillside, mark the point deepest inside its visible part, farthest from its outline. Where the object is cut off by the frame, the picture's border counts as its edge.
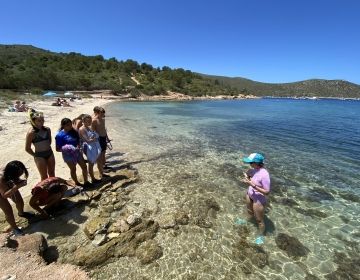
(24, 67)
(314, 87)
(33, 69)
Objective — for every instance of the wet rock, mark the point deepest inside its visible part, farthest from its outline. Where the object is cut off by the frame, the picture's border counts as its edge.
(149, 251)
(123, 245)
(95, 225)
(245, 252)
(181, 217)
(99, 240)
(291, 245)
(167, 221)
(119, 226)
(134, 219)
(112, 235)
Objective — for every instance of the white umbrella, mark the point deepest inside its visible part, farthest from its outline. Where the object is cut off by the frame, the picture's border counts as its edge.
(68, 93)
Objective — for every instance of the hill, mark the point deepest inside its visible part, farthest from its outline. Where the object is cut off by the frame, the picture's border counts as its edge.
(33, 69)
(308, 88)
(25, 67)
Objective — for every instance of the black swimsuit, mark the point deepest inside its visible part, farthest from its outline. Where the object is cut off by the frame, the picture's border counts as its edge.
(38, 138)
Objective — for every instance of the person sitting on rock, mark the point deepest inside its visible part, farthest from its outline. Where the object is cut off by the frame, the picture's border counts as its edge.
(47, 193)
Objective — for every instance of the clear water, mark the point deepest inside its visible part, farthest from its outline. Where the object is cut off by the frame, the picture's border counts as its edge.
(187, 152)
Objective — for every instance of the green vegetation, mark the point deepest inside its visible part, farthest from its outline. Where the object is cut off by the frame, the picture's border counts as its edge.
(33, 69)
(27, 68)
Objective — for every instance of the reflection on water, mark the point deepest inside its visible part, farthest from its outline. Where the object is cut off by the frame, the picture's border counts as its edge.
(188, 155)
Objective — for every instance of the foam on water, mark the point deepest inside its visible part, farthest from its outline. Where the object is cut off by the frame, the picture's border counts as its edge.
(188, 152)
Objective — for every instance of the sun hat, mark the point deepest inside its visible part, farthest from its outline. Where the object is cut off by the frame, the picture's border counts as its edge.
(254, 157)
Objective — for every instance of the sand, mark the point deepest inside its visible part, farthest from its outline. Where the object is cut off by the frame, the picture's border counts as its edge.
(15, 125)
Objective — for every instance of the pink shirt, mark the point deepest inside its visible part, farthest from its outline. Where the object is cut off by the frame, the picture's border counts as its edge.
(260, 177)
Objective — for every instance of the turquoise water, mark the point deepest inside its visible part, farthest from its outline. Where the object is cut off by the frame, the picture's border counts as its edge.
(187, 152)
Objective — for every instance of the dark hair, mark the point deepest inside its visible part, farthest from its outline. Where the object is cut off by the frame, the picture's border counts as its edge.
(260, 164)
(80, 117)
(97, 109)
(72, 132)
(13, 170)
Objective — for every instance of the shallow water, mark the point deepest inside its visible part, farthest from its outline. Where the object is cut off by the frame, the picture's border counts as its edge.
(187, 152)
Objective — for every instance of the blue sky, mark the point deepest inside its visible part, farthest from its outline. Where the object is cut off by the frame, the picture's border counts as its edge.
(263, 40)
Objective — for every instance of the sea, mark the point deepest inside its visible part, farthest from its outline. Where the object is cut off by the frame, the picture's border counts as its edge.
(189, 153)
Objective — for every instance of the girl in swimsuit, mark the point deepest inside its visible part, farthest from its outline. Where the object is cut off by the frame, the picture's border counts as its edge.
(91, 145)
(258, 179)
(68, 142)
(10, 182)
(40, 136)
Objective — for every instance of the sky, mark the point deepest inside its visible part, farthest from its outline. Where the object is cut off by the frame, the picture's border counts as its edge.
(262, 40)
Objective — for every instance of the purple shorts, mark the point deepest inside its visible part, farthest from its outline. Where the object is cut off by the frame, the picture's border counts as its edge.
(256, 198)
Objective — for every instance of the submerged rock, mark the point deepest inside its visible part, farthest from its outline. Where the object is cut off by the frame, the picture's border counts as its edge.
(348, 267)
(181, 217)
(311, 212)
(167, 221)
(291, 245)
(149, 251)
(319, 194)
(250, 254)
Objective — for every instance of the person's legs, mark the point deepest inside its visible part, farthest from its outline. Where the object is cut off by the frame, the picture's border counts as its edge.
(72, 167)
(249, 207)
(19, 202)
(100, 163)
(91, 171)
(83, 166)
(9, 214)
(41, 164)
(259, 215)
(51, 166)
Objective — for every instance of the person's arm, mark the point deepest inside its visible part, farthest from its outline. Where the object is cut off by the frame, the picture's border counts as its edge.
(7, 192)
(28, 140)
(265, 185)
(49, 131)
(34, 203)
(58, 143)
(83, 135)
(94, 125)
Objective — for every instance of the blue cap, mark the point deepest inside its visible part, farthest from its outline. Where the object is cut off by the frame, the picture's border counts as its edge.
(254, 157)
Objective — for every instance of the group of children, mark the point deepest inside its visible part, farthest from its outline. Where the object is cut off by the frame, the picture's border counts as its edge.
(85, 135)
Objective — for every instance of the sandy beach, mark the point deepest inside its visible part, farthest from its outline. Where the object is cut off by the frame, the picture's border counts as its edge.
(14, 126)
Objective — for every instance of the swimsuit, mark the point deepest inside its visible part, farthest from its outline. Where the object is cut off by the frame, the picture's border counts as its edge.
(37, 139)
(103, 144)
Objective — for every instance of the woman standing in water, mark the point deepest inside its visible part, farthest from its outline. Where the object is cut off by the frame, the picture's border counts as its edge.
(258, 179)
(10, 182)
(68, 142)
(40, 136)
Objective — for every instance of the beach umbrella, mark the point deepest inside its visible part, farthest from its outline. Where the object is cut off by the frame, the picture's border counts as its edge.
(50, 93)
(68, 93)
